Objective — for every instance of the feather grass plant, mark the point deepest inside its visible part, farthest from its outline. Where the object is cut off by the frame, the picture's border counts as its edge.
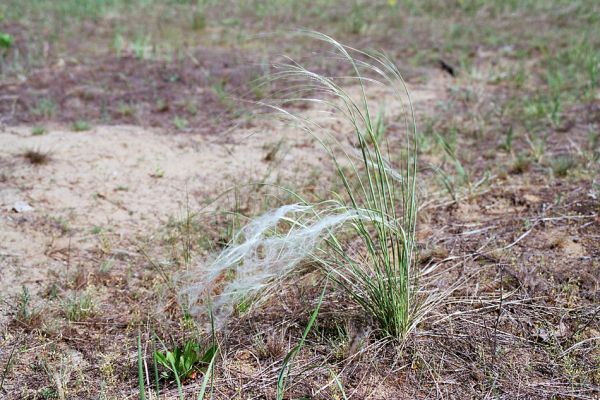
(376, 208)
(382, 282)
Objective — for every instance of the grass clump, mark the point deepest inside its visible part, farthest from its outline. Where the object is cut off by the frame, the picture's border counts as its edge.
(376, 210)
(44, 108)
(381, 201)
(80, 306)
(26, 315)
(6, 40)
(81, 125)
(561, 165)
(521, 164)
(37, 157)
(38, 130)
(180, 123)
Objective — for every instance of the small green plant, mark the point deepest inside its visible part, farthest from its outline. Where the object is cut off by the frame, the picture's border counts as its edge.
(8, 365)
(24, 311)
(49, 393)
(38, 130)
(521, 164)
(593, 69)
(6, 40)
(180, 123)
(357, 22)
(461, 176)
(243, 306)
(78, 307)
(538, 147)
(106, 266)
(118, 44)
(44, 108)
(260, 85)
(81, 125)
(561, 165)
(543, 107)
(219, 88)
(453, 182)
(506, 144)
(126, 110)
(199, 20)
(140, 46)
(448, 141)
(159, 172)
(181, 362)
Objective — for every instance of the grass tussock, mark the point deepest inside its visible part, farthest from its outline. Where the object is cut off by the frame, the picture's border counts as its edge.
(364, 236)
(37, 157)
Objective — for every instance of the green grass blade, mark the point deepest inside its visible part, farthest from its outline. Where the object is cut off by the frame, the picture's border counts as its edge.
(283, 373)
(140, 368)
(207, 376)
(175, 372)
(155, 365)
(339, 385)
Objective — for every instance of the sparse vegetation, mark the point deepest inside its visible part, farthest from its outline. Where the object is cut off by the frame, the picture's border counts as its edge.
(81, 125)
(25, 312)
(521, 164)
(38, 131)
(37, 157)
(79, 306)
(561, 165)
(183, 362)
(253, 197)
(180, 123)
(6, 40)
(45, 108)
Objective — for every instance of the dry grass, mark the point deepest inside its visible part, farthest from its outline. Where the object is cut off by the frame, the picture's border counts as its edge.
(37, 157)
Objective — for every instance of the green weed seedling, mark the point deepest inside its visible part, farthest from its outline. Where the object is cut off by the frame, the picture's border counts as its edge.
(180, 123)
(81, 125)
(506, 144)
(538, 147)
(561, 165)
(140, 46)
(199, 20)
(159, 172)
(521, 164)
(6, 40)
(45, 107)
(181, 362)
(118, 44)
(25, 312)
(38, 131)
(78, 307)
